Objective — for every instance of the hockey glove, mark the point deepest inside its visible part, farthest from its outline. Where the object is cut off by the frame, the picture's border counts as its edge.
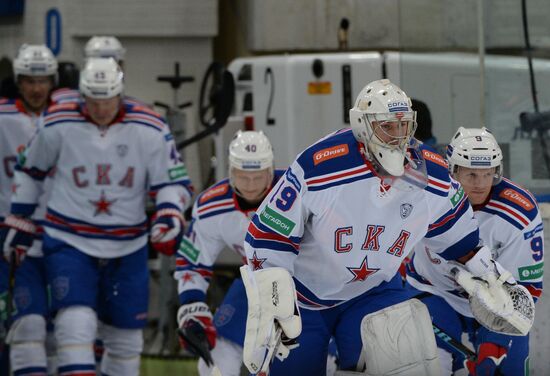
(16, 237)
(167, 230)
(489, 357)
(196, 331)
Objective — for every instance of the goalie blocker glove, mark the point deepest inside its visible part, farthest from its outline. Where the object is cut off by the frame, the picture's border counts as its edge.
(196, 330)
(167, 229)
(16, 236)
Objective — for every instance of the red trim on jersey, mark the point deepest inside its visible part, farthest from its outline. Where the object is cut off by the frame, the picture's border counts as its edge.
(502, 207)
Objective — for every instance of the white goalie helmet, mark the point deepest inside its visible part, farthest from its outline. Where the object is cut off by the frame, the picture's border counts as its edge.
(250, 151)
(34, 60)
(378, 104)
(104, 46)
(101, 78)
(474, 148)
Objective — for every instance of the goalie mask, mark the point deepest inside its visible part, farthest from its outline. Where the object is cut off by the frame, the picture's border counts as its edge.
(250, 152)
(35, 60)
(105, 46)
(101, 78)
(475, 148)
(382, 119)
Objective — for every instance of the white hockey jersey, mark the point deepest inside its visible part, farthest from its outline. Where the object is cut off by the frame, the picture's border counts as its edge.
(340, 232)
(17, 127)
(97, 202)
(218, 222)
(511, 226)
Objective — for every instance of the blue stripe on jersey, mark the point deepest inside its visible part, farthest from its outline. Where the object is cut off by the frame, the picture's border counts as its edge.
(436, 191)
(269, 244)
(529, 234)
(33, 172)
(70, 120)
(25, 210)
(92, 230)
(504, 216)
(216, 212)
(190, 296)
(447, 220)
(309, 299)
(362, 176)
(462, 247)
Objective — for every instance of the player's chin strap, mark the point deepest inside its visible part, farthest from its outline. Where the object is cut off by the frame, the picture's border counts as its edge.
(272, 315)
(496, 300)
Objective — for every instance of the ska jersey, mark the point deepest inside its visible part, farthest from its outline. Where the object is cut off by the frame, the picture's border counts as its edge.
(218, 222)
(511, 226)
(340, 232)
(101, 177)
(17, 127)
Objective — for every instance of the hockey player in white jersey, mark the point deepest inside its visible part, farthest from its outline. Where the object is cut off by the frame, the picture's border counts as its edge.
(107, 157)
(35, 72)
(340, 221)
(221, 215)
(511, 226)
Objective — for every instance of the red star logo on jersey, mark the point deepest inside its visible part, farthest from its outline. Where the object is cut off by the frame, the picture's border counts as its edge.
(255, 262)
(362, 273)
(187, 277)
(102, 206)
(14, 188)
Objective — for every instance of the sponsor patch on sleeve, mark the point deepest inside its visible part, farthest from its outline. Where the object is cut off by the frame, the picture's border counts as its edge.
(531, 272)
(276, 221)
(517, 198)
(455, 199)
(177, 172)
(214, 192)
(189, 251)
(434, 157)
(329, 153)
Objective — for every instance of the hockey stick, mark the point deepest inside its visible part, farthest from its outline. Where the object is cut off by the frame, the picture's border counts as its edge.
(456, 345)
(198, 344)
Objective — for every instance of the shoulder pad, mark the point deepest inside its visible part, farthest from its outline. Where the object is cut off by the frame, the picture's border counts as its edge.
(336, 152)
(519, 198)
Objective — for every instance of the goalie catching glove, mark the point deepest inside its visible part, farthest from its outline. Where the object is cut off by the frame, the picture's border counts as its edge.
(16, 237)
(496, 300)
(167, 229)
(196, 331)
(273, 320)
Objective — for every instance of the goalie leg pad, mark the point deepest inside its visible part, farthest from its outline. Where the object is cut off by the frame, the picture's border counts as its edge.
(272, 311)
(399, 340)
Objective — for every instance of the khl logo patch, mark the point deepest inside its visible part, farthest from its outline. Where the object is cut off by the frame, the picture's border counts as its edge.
(406, 210)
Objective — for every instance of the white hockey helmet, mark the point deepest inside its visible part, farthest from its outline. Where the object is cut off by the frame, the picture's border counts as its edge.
(101, 78)
(250, 151)
(474, 148)
(104, 46)
(379, 102)
(34, 60)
